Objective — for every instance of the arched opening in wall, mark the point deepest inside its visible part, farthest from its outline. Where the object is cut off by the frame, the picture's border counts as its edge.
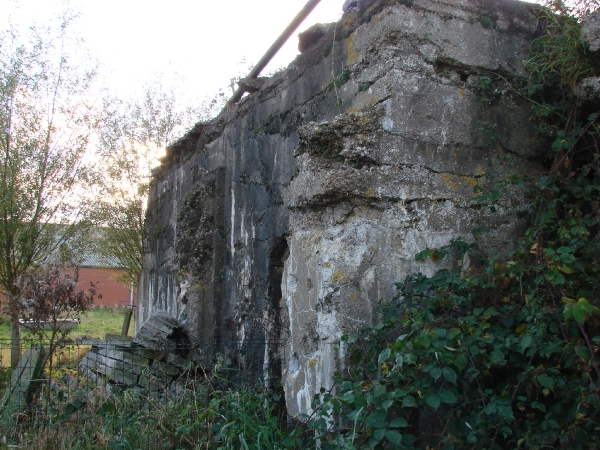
(276, 320)
(178, 342)
(277, 258)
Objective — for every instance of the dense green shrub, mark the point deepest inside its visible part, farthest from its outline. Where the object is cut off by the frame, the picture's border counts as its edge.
(498, 353)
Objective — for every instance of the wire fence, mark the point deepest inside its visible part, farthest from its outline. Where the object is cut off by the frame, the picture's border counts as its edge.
(69, 389)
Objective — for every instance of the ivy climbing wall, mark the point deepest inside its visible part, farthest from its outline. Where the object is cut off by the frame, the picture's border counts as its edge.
(289, 217)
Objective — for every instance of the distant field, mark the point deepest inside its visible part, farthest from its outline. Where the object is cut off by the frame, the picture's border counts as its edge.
(95, 323)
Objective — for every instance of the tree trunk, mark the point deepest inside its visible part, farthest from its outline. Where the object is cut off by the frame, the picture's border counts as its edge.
(15, 333)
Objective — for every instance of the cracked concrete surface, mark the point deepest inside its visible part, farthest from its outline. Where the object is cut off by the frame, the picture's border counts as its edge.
(290, 217)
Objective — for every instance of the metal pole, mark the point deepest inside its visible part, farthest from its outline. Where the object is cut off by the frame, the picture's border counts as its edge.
(131, 295)
(260, 65)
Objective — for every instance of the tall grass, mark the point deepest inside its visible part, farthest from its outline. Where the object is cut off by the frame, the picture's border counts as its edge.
(201, 412)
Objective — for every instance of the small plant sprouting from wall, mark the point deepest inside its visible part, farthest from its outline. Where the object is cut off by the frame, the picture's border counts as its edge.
(561, 56)
(364, 86)
(486, 22)
(337, 82)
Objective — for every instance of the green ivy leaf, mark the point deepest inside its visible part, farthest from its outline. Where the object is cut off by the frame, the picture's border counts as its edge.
(433, 400)
(461, 361)
(538, 405)
(408, 440)
(546, 381)
(353, 415)
(447, 396)
(393, 436)
(490, 312)
(379, 390)
(554, 276)
(491, 408)
(506, 412)
(440, 332)
(526, 342)
(425, 341)
(421, 256)
(583, 352)
(360, 400)
(579, 312)
(379, 434)
(106, 409)
(348, 397)
(376, 416)
(449, 374)
(409, 402)
(398, 422)
(384, 355)
(496, 356)
(436, 372)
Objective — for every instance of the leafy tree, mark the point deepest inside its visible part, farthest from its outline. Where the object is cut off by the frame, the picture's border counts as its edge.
(578, 8)
(49, 298)
(46, 122)
(133, 136)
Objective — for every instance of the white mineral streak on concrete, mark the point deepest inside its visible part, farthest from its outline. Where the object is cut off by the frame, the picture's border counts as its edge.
(388, 122)
(232, 231)
(243, 231)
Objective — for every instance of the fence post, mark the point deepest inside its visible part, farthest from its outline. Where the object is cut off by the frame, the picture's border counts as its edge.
(126, 322)
(23, 383)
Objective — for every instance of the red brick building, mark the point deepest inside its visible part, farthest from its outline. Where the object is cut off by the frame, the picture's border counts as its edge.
(114, 293)
(105, 273)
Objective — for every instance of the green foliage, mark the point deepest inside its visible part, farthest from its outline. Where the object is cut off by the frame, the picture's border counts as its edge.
(79, 415)
(245, 419)
(483, 357)
(561, 56)
(575, 8)
(340, 80)
(133, 135)
(364, 86)
(46, 119)
(497, 353)
(486, 22)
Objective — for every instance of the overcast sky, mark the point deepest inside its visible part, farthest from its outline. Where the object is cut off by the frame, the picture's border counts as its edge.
(205, 42)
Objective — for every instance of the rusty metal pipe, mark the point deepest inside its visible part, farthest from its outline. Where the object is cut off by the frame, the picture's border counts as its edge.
(282, 39)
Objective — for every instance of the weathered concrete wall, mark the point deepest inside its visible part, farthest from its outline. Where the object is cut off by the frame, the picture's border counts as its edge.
(292, 215)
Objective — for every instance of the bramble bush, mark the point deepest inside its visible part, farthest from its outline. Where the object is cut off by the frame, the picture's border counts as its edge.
(497, 353)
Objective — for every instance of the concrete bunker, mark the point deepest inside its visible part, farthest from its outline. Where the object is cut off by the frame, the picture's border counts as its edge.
(291, 215)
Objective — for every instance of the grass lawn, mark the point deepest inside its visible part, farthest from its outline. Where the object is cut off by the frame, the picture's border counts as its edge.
(95, 323)
(100, 322)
